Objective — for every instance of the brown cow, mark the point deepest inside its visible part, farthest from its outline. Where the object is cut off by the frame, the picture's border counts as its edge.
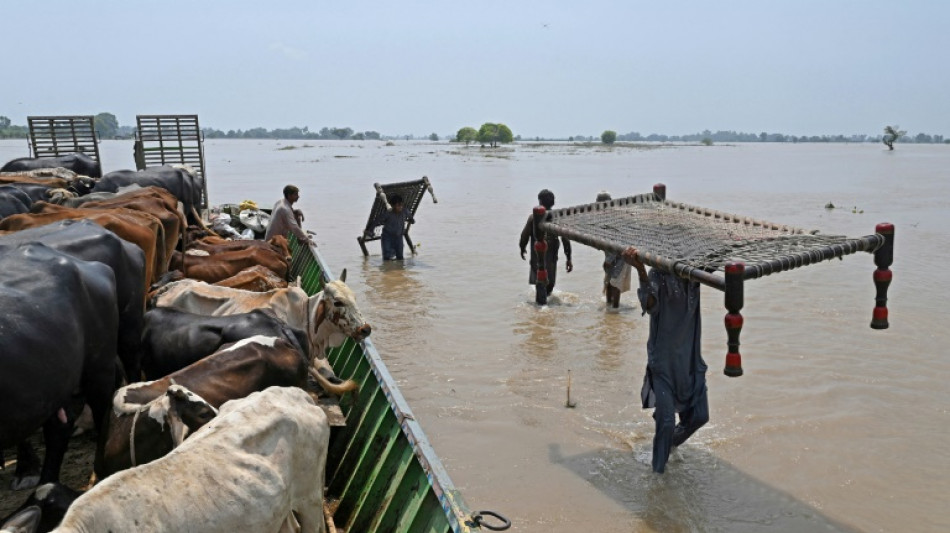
(51, 177)
(234, 371)
(137, 227)
(154, 201)
(213, 245)
(214, 267)
(58, 183)
(256, 278)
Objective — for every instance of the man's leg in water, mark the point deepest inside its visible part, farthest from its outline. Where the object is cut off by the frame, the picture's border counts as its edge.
(691, 420)
(665, 417)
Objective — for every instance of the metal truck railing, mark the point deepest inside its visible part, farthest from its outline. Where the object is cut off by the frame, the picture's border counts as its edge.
(168, 140)
(59, 135)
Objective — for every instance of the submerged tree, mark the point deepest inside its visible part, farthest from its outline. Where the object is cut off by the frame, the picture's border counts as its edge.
(466, 135)
(891, 134)
(492, 134)
(608, 137)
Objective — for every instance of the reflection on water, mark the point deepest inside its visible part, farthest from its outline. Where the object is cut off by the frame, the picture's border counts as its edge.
(704, 493)
(833, 423)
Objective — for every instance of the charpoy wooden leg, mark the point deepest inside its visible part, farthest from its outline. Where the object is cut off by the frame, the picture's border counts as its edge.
(734, 302)
(883, 258)
(540, 251)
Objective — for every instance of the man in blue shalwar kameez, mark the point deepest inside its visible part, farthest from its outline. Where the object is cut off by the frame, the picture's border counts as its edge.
(675, 381)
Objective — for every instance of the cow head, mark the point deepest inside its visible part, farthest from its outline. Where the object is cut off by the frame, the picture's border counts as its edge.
(337, 317)
(82, 185)
(186, 412)
(183, 410)
(280, 245)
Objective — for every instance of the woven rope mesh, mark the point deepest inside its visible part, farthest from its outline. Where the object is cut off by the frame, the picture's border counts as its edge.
(702, 238)
(411, 192)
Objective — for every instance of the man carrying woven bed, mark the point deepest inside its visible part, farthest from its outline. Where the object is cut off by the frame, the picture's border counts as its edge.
(546, 198)
(675, 380)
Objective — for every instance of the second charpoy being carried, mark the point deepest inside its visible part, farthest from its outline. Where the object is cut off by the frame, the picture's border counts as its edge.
(544, 289)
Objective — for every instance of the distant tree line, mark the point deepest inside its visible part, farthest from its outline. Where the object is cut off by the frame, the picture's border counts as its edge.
(304, 133)
(738, 137)
(492, 134)
(9, 131)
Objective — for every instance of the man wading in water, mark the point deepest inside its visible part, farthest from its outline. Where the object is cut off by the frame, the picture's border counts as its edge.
(546, 198)
(675, 381)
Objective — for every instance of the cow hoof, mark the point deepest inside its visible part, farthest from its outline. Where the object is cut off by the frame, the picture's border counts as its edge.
(25, 482)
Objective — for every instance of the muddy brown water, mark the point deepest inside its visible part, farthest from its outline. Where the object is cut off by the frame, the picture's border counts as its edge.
(834, 426)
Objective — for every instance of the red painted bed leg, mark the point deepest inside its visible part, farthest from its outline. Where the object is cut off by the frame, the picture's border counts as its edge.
(660, 191)
(734, 302)
(540, 248)
(883, 258)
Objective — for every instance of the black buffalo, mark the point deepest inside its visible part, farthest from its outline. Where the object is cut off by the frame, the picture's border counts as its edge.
(36, 191)
(78, 162)
(58, 332)
(184, 185)
(172, 339)
(13, 201)
(86, 240)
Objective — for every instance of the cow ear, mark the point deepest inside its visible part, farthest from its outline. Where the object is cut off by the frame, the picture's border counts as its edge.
(343, 276)
(320, 315)
(25, 521)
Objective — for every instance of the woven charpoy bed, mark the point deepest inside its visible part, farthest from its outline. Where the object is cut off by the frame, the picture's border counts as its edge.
(716, 249)
(411, 192)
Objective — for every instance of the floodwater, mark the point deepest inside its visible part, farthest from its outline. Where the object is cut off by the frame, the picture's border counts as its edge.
(834, 426)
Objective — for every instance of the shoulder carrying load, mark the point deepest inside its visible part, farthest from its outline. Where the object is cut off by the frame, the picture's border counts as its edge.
(697, 244)
(411, 192)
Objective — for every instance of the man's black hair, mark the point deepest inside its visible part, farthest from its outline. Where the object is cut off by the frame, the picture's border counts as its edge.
(546, 198)
(290, 190)
(395, 198)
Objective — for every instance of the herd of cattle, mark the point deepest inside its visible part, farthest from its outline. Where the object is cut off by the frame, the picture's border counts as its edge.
(118, 301)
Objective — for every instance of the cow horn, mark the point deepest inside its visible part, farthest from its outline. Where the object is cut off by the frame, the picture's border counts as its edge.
(343, 276)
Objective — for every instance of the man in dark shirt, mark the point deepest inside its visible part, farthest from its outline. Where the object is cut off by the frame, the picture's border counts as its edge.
(675, 381)
(546, 198)
(394, 227)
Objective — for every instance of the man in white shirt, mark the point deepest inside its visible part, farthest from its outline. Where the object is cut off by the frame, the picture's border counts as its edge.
(283, 220)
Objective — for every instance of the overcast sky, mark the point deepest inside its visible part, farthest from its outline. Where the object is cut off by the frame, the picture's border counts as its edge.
(543, 68)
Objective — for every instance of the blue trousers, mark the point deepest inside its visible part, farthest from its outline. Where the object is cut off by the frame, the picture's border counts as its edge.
(668, 432)
(392, 246)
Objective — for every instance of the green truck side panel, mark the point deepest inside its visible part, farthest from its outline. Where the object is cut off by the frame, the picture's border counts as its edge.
(380, 467)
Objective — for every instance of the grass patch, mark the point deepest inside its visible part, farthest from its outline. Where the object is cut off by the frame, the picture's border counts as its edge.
(294, 147)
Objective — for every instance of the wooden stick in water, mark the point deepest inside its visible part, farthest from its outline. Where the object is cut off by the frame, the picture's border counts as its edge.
(569, 403)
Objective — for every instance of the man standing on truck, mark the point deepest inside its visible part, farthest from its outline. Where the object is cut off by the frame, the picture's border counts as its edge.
(283, 218)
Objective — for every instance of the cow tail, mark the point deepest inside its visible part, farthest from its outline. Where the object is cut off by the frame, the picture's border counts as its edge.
(336, 389)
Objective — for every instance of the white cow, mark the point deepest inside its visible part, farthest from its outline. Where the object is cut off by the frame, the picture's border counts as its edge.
(261, 458)
(328, 317)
